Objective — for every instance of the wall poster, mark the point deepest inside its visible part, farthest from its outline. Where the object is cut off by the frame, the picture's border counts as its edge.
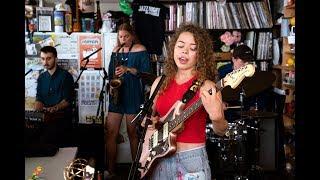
(88, 44)
(90, 85)
(67, 50)
(33, 68)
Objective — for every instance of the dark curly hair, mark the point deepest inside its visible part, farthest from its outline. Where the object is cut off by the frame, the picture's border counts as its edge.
(205, 67)
(49, 49)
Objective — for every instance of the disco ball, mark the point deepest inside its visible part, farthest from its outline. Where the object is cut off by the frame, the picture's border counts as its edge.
(76, 170)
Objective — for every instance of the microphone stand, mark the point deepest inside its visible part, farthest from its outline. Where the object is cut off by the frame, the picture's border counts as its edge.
(84, 67)
(141, 115)
(101, 97)
(30, 70)
(75, 84)
(242, 95)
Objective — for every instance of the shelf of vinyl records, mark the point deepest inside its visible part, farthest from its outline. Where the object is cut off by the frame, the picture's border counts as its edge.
(169, 32)
(219, 15)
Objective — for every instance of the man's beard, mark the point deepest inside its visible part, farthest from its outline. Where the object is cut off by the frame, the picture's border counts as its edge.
(49, 67)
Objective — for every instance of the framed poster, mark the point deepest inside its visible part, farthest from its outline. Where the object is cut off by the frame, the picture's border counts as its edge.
(33, 68)
(45, 19)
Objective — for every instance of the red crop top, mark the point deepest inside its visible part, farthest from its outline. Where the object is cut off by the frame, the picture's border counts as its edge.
(194, 127)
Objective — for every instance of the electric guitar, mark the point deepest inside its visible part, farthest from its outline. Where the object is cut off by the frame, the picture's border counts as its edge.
(161, 142)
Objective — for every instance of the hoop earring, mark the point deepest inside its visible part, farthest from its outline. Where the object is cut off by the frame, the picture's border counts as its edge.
(197, 67)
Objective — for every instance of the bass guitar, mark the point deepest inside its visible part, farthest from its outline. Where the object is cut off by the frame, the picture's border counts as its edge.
(161, 142)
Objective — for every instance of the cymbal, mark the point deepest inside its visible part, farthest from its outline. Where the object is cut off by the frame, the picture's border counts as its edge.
(257, 114)
(251, 86)
(147, 78)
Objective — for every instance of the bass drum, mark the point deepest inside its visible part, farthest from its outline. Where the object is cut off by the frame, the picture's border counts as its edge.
(235, 132)
(227, 154)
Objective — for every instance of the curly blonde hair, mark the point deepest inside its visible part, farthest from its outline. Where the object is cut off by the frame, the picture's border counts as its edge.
(205, 67)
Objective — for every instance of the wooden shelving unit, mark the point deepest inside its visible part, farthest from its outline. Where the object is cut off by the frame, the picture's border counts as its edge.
(287, 69)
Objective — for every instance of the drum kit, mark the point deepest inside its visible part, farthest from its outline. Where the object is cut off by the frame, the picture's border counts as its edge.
(236, 154)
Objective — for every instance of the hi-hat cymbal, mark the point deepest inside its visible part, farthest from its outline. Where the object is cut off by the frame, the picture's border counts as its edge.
(257, 114)
(251, 86)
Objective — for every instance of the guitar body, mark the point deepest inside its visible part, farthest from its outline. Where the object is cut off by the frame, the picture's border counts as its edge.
(148, 158)
(159, 143)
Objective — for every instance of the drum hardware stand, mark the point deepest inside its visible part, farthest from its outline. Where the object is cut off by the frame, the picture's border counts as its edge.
(255, 168)
(239, 174)
(242, 94)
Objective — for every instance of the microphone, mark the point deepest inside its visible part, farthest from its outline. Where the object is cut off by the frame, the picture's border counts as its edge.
(28, 72)
(91, 54)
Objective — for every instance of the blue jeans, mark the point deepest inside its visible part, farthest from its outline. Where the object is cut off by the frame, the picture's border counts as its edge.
(187, 165)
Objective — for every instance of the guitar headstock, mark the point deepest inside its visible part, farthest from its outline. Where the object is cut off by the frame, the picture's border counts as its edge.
(234, 78)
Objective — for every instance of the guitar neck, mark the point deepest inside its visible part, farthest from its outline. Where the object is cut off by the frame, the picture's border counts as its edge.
(191, 109)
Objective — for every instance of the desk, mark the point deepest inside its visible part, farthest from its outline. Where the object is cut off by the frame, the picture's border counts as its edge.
(52, 166)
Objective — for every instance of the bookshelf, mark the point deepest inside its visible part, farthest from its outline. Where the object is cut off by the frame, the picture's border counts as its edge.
(287, 66)
(285, 71)
(252, 18)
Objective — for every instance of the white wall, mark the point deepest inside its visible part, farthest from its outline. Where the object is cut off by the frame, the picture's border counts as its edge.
(109, 1)
(113, 6)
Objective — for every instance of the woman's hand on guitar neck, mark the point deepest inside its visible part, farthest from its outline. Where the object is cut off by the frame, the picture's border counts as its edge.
(212, 102)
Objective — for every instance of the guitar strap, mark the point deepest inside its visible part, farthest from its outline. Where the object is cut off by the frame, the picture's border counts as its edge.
(189, 94)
